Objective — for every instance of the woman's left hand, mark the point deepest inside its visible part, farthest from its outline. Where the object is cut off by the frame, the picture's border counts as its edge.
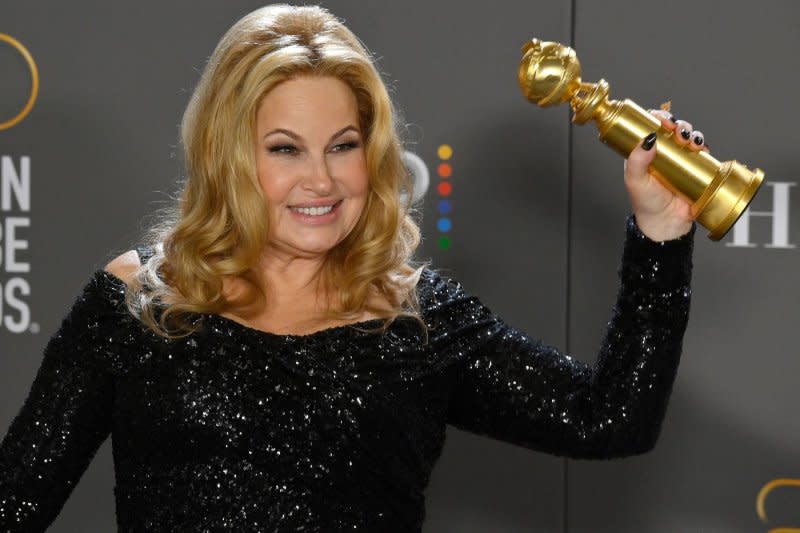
(660, 214)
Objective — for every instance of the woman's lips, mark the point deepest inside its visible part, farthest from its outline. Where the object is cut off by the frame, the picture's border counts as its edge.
(315, 212)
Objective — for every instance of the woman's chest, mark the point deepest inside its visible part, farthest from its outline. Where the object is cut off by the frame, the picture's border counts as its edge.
(282, 399)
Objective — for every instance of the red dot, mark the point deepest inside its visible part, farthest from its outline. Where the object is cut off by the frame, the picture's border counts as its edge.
(445, 170)
(445, 189)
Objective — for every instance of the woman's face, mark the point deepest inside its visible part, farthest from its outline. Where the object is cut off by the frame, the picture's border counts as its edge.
(311, 164)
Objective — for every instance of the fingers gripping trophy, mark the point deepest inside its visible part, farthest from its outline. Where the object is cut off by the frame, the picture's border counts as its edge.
(719, 192)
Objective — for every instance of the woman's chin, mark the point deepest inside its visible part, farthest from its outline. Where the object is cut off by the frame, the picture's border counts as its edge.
(307, 249)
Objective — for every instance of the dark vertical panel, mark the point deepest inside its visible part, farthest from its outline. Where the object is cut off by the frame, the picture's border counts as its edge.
(568, 292)
(731, 68)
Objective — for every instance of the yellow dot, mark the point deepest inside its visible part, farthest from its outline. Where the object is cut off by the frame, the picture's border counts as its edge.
(445, 152)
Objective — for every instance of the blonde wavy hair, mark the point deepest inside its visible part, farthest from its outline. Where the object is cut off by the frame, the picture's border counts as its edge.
(219, 226)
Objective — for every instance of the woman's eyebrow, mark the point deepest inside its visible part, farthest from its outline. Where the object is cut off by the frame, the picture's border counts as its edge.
(286, 132)
(345, 130)
(296, 137)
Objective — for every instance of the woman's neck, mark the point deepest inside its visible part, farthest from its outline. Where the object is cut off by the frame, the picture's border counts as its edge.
(280, 275)
(290, 296)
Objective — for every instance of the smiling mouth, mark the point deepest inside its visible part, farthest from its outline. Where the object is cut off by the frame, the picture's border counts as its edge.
(315, 211)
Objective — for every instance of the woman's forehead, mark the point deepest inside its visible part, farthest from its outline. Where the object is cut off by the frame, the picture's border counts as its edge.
(308, 102)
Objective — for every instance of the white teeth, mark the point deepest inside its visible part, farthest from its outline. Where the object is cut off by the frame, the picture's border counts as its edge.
(313, 211)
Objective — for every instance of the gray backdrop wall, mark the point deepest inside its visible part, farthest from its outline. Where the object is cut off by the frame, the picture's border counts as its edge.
(537, 222)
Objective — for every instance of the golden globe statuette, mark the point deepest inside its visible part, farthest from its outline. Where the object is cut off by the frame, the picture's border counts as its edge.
(550, 74)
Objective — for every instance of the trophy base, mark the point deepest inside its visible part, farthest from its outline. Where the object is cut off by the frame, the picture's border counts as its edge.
(726, 198)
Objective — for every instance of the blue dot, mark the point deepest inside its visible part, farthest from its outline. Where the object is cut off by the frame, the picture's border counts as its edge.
(444, 225)
(445, 207)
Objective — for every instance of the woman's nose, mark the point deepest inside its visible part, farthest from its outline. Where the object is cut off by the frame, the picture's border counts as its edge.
(319, 178)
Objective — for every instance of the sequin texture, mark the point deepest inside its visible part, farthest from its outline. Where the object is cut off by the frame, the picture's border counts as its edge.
(234, 429)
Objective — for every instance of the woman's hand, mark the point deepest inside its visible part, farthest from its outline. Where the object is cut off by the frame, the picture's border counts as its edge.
(660, 214)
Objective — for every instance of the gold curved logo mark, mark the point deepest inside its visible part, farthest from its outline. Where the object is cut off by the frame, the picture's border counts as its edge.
(762, 497)
(19, 47)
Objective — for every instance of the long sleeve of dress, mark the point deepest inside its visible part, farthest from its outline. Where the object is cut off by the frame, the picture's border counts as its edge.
(64, 420)
(514, 388)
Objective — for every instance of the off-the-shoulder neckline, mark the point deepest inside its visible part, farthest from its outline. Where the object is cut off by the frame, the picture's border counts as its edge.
(365, 326)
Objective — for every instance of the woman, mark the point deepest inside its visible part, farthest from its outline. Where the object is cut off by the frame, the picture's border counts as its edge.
(274, 362)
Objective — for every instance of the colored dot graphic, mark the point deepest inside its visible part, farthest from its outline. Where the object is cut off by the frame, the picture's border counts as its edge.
(445, 189)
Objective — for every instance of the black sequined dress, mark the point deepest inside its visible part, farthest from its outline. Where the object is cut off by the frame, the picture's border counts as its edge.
(235, 429)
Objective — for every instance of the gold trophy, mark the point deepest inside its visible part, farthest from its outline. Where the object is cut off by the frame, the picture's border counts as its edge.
(550, 74)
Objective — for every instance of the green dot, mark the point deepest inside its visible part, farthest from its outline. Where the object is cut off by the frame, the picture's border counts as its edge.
(444, 243)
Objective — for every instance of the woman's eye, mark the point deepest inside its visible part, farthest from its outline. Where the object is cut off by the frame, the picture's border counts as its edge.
(283, 149)
(344, 147)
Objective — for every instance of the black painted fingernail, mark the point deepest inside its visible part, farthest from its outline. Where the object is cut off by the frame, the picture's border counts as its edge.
(685, 134)
(672, 118)
(649, 141)
(698, 140)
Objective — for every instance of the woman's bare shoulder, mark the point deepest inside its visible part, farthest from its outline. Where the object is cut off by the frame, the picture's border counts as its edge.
(124, 266)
